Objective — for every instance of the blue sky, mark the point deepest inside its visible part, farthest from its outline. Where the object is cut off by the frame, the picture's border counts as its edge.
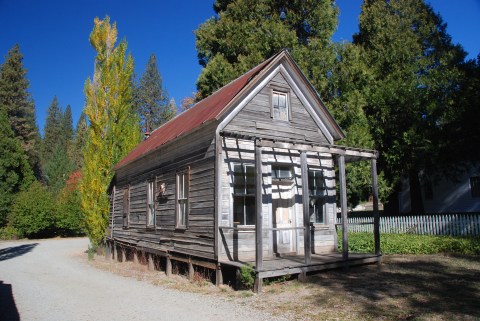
(53, 36)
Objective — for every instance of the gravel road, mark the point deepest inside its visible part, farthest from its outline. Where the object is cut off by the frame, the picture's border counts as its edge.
(50, 280)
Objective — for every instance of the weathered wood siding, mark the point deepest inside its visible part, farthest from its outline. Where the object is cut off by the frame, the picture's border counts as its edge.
(255, 117)
(241, 245)
(196, 152)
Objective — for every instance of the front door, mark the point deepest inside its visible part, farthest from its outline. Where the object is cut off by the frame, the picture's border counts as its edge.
(283, 200)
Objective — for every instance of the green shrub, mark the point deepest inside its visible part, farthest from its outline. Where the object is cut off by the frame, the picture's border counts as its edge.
(412, 244)
(8, 233)
(69, 220)
(33, 212)
(247, 276)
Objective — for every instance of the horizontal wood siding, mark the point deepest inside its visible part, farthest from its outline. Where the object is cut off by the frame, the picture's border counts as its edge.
(196, 152)
(255, 118)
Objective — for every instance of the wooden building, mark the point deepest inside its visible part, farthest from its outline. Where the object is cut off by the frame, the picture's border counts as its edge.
(246, 175)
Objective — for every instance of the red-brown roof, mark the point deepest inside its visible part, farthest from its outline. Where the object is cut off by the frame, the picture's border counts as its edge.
(206, 110)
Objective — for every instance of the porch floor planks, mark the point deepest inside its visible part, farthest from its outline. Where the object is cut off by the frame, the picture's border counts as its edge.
(295, 264)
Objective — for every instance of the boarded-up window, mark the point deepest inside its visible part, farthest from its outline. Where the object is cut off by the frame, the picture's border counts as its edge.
(244, 194)
(183, 182)
(150, 203)
(280, 106)
(126, 206)
(475, 186)
(316, 189)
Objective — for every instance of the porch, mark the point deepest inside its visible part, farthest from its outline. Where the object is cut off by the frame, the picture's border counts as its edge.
(267, 265)
(295, 264)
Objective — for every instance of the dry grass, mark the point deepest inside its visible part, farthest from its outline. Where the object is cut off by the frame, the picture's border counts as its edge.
(403, 288)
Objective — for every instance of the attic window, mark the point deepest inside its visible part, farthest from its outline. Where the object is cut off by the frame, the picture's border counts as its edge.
(280, 108)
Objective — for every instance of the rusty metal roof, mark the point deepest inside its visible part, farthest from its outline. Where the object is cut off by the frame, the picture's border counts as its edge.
(208, 109)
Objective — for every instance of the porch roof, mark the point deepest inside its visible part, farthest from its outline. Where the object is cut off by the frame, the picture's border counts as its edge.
(351, 154)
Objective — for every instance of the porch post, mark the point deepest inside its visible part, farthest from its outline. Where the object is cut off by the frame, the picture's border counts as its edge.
(306, 210)
(258, 208)
(343, 205)
(376, 215)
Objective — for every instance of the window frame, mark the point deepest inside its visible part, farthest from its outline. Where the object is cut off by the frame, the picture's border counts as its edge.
(320, 193)
(151, 212)
(475, 186)
(244, 195)
(126, 207)
(182, 222)
(280, 91)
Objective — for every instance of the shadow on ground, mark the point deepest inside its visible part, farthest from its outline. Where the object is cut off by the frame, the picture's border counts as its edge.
(412, 288)
(8, 309)
(14, 251)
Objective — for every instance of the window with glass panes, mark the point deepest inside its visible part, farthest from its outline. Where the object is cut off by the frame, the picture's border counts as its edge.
(150, 203)
(182, 198)
(280, 105)
(316, 187)
(243, 194)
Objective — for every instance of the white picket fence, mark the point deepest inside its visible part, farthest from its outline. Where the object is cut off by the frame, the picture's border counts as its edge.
(431, 224)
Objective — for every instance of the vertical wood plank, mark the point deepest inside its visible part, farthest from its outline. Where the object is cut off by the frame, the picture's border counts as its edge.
(168, 267)
(343, 205)
(151, 262)
(376, 214)
(306, 211)
(191, 271)
(258, 209)
(219, 275)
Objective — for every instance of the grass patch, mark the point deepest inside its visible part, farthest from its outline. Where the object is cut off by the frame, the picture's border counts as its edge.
(412, 244)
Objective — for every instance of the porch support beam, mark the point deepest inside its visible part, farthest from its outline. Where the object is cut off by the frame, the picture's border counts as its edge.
(343, 205)
(258, 209)
(306, 211)
(376, 215)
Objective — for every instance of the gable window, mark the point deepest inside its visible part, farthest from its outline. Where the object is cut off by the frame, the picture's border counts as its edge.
(317, 192)
(475, 186)
(126, 206)
(280, 106)
(182, 198)
(243, 194)
(150, 203)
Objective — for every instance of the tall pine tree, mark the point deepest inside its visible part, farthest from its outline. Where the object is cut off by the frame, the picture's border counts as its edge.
(76, 151)
(414, 74)
(151, 98)
(113, 126)
(15, 172)
(17, 103)
(246, 32)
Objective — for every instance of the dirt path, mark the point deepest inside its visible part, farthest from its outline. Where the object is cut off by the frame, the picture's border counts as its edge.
(51, 280)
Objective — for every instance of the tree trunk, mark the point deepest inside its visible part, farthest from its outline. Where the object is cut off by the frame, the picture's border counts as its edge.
(416, 201)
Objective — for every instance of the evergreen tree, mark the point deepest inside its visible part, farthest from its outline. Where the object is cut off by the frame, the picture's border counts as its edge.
(246, 32)
(17, 103)
(151, 98)
(76, 151)
(113, 126)
(414, 73)
(67, 127)
(57, 168)
(53, 131)
(15, 172)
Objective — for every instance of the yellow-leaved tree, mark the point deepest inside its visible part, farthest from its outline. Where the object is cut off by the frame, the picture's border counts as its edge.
(113, 129)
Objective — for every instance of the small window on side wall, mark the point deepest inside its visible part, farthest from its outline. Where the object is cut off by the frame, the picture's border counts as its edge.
(475, 186)
(183, 182)
(126, 207)
(150, 203)
(280, 108)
